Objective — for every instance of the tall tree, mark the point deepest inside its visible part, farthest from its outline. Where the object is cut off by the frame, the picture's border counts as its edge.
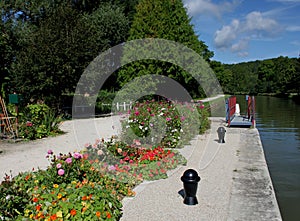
(54, 53)
(165, 19)
(6, 57)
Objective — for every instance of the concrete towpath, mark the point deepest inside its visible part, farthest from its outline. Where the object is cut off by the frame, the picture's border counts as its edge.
(235, 183)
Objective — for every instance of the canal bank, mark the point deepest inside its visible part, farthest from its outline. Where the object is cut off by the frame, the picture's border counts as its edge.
(235, 182)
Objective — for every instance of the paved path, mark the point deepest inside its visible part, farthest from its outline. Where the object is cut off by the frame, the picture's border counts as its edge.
(235, 183)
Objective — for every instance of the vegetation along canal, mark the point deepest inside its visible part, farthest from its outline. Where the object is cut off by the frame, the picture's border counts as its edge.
(278, 122)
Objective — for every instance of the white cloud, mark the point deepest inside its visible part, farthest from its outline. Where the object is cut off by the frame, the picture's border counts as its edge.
(237, 35)
(293, 28)
(200, 7)
(241, 45)
(225, 36)
(256, 22)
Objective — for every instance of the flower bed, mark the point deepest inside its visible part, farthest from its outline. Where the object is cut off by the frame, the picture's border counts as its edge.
(89, 185)
(169, 124)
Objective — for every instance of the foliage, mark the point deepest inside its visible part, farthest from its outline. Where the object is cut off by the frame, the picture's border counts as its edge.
(164, 123)
(5, 59)
(273, 76)
(38, 121)
(50, 50)
(172, 24)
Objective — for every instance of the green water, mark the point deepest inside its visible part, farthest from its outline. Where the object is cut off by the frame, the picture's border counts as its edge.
(278, 122)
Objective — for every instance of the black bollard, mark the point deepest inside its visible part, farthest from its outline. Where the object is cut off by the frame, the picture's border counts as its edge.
(221, 134)
(190, 181)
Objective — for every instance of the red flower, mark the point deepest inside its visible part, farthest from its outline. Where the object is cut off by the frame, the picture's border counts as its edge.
(73, 212)
(53, 217)
(108, 215)
(38, 207)
(35, 200)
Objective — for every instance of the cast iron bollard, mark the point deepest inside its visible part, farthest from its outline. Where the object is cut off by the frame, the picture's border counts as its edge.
(190, 181)
(221, 134)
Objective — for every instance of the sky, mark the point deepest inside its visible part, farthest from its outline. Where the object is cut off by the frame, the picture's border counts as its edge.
(247, 30)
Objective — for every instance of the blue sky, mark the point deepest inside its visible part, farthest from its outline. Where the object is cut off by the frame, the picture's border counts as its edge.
(247, 30)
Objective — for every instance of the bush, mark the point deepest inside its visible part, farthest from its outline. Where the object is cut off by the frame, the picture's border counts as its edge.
(164, 123)
(38, 121)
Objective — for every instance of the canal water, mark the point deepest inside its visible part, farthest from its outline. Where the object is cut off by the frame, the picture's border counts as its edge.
(278, 122)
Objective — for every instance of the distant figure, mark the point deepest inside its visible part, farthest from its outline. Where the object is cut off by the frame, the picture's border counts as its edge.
(237, 110)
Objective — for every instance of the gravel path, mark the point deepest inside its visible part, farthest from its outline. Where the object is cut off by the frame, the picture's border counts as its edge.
(26, 155)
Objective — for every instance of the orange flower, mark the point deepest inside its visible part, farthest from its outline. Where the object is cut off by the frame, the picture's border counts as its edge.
(84, 209)
(84, 198)
(73, 212)
(38, 207)
(108, 215)
(98, 214)
(53, 217)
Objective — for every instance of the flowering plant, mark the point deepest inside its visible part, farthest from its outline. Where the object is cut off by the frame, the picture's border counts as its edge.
(169, 124)
(70, 189)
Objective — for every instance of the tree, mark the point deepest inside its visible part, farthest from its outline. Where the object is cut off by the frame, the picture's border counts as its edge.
(286, 73)
(167, 20)
(223, 75)
(5, 59)
(54, 52)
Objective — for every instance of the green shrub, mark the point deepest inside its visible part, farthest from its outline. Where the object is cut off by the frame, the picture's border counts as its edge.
(164, 123)
(38, 121)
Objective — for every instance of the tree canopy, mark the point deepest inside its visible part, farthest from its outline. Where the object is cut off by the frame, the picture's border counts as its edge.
(53, 42)
(166, 20)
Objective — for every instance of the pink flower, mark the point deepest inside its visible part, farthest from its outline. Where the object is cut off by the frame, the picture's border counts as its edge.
(119, 150)
(77, 155)
(100, 152)
(136, 113)
(182, 118)
(58, 165)
(168, 119)
(61, 172)
(50, 152)
(28, 124)
(110, 168)
(68, 160)
(137, 142)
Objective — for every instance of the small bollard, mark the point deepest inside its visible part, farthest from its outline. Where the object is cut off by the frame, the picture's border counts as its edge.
(221, 134)
(190, 181)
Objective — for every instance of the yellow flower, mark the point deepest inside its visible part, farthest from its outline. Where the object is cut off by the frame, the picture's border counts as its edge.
(44, 187)
(59, 214)
(55, 186)
(36, 181)
(59, 196)
(31, 216)
(74, 182)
